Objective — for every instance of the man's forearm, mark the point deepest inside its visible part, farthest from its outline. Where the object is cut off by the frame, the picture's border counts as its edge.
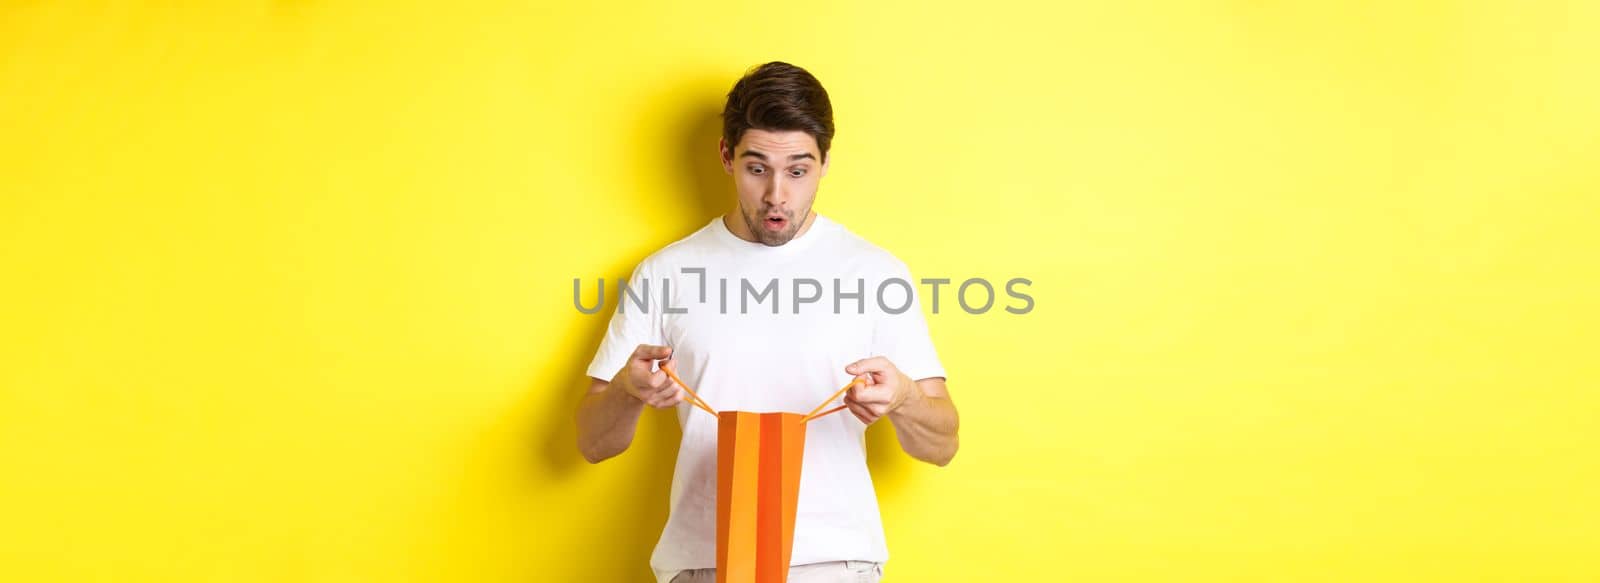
(607, 420)
(927, 427)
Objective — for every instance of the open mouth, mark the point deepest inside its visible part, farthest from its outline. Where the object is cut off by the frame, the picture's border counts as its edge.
(775, 222)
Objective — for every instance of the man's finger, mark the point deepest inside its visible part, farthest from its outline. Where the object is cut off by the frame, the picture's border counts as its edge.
(861, 412)
(868, 365)
(658, 380)
(651, 352)
(668, 400)
(658, 399)
(867, 394)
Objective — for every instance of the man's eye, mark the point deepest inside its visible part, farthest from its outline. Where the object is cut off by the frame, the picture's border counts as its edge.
(797, 172)
(757, 170)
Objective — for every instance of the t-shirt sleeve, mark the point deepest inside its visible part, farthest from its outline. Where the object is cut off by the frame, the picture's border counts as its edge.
(903, 338)
(630, 326)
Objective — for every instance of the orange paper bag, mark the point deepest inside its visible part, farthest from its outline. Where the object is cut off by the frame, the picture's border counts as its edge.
(758, 487)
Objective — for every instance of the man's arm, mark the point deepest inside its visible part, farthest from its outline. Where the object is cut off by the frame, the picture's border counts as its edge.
(924, 417)
(609, 412)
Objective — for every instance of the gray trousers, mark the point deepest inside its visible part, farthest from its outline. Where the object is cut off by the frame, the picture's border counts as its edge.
(832, 572)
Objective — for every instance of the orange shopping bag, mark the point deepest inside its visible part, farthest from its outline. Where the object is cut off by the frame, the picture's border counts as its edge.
(758, 487)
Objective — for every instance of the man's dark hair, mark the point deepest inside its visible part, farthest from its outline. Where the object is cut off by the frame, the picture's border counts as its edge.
(776, 97)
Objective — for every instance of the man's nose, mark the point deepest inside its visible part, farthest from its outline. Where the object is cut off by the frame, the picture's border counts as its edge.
(776, 192)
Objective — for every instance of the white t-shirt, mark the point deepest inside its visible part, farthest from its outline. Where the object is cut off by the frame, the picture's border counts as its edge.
(730, 346)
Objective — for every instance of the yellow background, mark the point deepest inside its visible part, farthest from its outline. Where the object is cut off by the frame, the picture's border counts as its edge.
(287, 285)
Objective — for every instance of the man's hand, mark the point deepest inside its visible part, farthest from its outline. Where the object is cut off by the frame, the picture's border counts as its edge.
(924, 417)
(609, 412)
(885, 390)
(654, 388)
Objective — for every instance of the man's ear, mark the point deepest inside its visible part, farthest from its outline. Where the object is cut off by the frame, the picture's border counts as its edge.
(826, 158)
(726, 155)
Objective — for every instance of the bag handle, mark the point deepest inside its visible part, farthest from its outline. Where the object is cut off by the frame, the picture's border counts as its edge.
(814, 414)
(694, 399)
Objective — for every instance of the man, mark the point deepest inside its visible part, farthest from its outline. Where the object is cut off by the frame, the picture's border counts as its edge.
(743, 323)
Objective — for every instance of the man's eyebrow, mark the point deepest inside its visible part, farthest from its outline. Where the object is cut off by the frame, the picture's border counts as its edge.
(763, 157)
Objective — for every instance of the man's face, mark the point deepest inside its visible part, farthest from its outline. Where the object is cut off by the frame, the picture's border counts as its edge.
(776, 174)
